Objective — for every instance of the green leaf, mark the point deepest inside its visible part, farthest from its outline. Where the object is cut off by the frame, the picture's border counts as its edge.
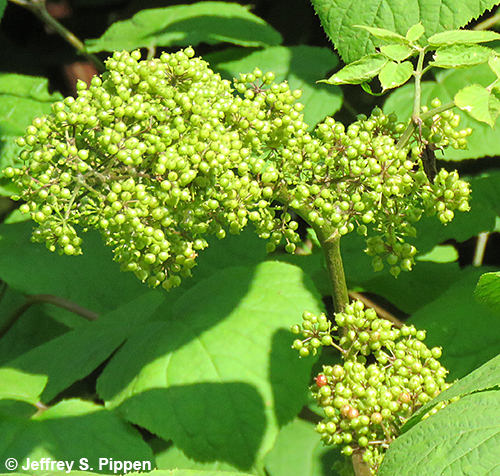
(222, 358)
(92, 280)
(299, 452)
(468, 332)
(81, 351)
(484, 378)
(397, 52)
(415, 32)
(460, 56)
(338, 18)
(462, 37)
(385, 35)
(494, 64)
(21, 99)
(21, 386)
(301, 66)
(170, 472)
(488, 290)
(485, 141)
(184, 25)
(479, 102)
(440, 254)
(394, 74)
(173, 457)
(69, 431)
(435, 446)
(359, 71)
(3, 4)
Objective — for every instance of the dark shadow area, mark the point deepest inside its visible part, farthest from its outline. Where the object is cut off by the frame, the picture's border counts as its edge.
(289, 376)
(207, 421)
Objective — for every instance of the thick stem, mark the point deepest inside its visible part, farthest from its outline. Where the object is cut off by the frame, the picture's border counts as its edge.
(39, 8)
(360, 467)
(330, 243)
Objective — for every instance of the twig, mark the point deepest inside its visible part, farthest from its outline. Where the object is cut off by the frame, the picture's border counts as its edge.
(47, 298)
(39, 8)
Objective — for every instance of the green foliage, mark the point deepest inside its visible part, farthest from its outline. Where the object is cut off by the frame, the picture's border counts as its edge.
(339, 17)
(183, 25)
(206, 371)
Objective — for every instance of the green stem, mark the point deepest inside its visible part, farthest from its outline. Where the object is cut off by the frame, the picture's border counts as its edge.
(329, 239)
(39, 8)
(330, 244)
(406, 136)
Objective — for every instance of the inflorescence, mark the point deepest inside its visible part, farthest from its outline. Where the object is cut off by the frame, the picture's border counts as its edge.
(387, 374)
(157, 154)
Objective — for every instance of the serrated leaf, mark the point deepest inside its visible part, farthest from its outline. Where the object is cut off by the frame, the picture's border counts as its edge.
(479, 102)
(462, 37)
(338, 18)
(222, 359)
(462, 438)
(21, 386)
(394, 74)
(359, 71)
(484, 141)
(69, 431)
(385, 35)
(488, 290)
(300, 66)
(415, 32)
(460, 56)
(184, 25)
(396, 52)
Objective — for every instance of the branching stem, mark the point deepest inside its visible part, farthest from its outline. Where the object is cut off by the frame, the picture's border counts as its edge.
(39, 8)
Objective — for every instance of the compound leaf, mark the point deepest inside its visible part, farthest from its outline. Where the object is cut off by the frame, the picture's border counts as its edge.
(338, 18)
(184, 25)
